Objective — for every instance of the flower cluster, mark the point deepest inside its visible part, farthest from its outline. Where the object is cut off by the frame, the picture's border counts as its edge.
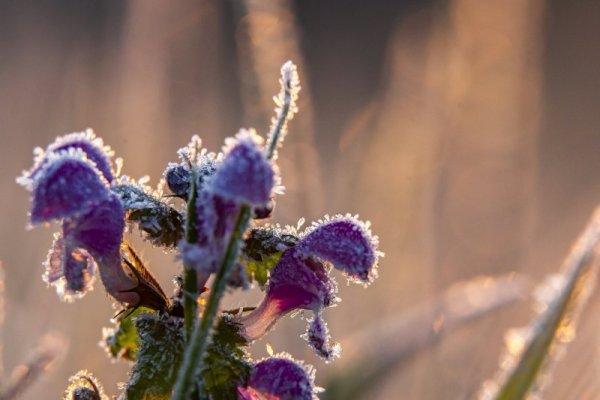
(212, 220)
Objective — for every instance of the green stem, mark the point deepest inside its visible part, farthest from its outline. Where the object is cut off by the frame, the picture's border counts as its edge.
(193, 358)
(190, 284)
(277, 129)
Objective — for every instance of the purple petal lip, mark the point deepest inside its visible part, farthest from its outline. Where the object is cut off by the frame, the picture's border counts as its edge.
(92, 146)
(294, 284)
(347, 244)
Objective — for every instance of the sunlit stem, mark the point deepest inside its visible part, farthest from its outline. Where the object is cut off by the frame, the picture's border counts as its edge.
(285, 107)
(193, 359)
(278, 128)
(190, 284)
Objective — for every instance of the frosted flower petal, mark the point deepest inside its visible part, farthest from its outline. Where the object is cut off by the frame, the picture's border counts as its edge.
(100, 229)
(295, 284)
(245, 175)
(66, 187)
(70, 270)
(317, 336)
(92, 146)
(346, 243)
(281, 378)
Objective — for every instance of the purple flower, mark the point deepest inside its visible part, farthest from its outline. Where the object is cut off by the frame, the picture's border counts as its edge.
(317, 336)
(70, 269)
(68, 186)
(279, 378)
(345, 242)
(245, 175)
(91, 146)
(215, 220)
(65, 186)
(294, 284)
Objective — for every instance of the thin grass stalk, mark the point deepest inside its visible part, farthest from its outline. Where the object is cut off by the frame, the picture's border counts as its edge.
(520, 379)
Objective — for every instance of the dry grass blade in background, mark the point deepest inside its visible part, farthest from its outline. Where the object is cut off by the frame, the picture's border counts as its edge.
(531, 350)
(50, 348)
(371, 354)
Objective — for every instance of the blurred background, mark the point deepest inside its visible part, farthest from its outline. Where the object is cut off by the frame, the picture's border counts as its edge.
(467, 131)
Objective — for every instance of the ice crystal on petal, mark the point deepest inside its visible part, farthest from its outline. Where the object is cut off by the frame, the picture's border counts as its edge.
(86, 142)
(65, 187)
(295, 284)
(345, 242)
(279, 377)
(100, 229)
(317, 336)
(245, 175)
(92, 146)
(70, 270)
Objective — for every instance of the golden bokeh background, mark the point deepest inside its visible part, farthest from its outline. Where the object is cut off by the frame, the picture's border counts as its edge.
(467, 131)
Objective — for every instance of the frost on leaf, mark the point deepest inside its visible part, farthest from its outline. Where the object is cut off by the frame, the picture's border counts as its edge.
(226, 365)
(263, 248)
(158, 357)
(122, 340)
(161, 223)
(317, 336)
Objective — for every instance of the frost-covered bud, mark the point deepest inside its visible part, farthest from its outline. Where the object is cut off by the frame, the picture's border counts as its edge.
(345, 242)
(281, 378)
(84, 386)
(295, 284)
(65, 187)
(69, 269)
(245, 175)
(178, 179)
(317, 336)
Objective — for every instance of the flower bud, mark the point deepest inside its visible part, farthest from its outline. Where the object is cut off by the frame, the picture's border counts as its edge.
(245, 175)
(279, 378)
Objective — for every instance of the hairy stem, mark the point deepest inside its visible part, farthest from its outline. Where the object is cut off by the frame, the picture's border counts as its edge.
(190, 284)
(193, 358)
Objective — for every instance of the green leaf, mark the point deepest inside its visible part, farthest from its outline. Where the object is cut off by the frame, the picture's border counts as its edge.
(158, 357)
(161, 351)
(226, 364)
(122, 341)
